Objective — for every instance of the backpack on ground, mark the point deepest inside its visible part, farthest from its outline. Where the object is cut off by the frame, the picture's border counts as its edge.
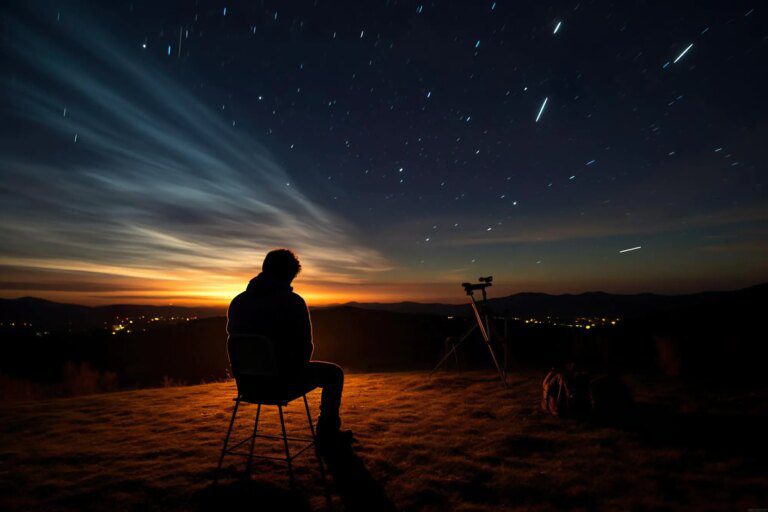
(568, 394)
(565, 394)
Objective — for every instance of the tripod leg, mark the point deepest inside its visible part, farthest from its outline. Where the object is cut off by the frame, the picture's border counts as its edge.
(444, 359)
(487, 339)
(506, 344)
(483, 321)
(456, 356)
(453, 350)
(502, 374)
(504, 347)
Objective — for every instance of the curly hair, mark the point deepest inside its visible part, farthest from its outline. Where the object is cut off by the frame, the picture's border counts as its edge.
(281, 264)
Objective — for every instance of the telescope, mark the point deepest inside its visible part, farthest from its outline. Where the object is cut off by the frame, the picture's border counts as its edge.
(484, 283)
(482, 316)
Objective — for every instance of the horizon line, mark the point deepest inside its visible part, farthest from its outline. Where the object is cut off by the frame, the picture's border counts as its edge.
(224, 305)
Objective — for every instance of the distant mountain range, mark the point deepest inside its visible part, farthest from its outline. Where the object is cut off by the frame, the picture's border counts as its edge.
(54, 315)
(584, 304)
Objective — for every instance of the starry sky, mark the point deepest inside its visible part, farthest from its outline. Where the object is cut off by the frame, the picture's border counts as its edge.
(154, 151)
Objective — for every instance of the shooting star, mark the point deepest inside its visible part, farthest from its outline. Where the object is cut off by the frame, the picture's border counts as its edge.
(541, 110)
(630, 249)
(557, 27)
(681, 55)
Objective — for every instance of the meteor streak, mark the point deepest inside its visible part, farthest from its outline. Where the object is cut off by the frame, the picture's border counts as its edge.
(681, 55)
(630, 249)
(543, 105)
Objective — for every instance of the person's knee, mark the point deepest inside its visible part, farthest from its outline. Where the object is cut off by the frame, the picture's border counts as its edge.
(329, 373)
(336, 372)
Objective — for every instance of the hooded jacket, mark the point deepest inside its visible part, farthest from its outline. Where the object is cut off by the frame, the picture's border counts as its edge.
(270, 308)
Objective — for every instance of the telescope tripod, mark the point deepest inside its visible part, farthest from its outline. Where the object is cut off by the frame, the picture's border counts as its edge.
(487, 332)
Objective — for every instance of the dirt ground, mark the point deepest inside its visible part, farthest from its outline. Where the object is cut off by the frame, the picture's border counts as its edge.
(458, 441)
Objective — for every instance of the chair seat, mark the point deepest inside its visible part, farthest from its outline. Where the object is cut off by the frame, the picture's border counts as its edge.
(271, 390)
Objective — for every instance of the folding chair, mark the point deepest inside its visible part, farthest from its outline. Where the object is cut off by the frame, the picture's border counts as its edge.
(255, 370)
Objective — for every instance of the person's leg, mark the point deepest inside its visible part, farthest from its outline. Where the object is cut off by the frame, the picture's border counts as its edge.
(330, 378)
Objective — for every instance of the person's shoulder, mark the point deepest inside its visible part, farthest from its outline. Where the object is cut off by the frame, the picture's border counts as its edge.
(237, 300)
(298, 299)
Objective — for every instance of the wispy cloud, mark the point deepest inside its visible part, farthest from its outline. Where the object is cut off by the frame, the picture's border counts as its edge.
(144, 180)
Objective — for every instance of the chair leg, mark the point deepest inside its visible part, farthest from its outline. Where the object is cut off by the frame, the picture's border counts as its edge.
(314, 437)
(328, 499)
(226, 440)
(309, 418)
(285, 443)
(253, 440)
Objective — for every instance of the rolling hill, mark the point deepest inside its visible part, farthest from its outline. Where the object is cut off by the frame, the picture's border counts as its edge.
(56, 315)
(584, 304)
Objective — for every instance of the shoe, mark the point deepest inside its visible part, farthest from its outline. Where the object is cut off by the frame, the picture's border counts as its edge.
(327, 427)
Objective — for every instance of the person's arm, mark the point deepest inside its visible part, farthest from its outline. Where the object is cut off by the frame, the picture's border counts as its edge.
(304, 331)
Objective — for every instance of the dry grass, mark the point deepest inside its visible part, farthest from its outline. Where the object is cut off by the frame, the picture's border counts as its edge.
(454, 442)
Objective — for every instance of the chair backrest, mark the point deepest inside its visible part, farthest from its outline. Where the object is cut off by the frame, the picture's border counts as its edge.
(252, 355)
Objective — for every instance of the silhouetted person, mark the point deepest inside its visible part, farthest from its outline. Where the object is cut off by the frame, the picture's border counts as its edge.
(270, 308)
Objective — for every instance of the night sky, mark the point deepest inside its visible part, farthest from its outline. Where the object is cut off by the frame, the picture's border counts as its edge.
(154, 151)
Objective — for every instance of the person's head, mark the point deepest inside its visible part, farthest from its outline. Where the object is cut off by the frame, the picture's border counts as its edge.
(281, 265)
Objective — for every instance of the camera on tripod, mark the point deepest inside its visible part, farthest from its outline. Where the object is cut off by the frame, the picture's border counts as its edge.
(484, 283)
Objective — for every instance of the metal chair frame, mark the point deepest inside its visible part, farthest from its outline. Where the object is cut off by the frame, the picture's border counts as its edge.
(254, 356)
(309, 442)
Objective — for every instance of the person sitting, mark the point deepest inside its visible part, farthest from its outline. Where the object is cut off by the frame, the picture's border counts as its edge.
(269, 307)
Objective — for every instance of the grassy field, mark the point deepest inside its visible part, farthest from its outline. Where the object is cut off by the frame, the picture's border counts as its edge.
(453, 442)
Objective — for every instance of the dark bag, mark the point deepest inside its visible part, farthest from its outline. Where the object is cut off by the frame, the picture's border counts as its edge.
(565, 394)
